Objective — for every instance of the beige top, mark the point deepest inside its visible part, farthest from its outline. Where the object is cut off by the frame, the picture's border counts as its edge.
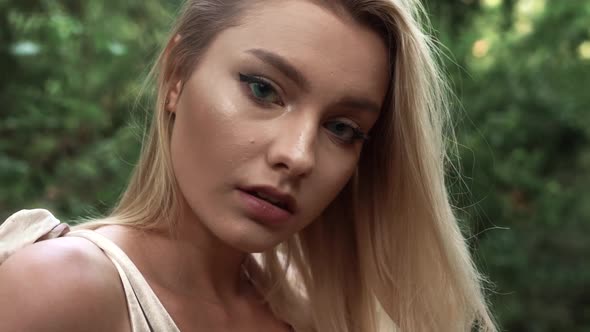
(26, 227)
(146, 312)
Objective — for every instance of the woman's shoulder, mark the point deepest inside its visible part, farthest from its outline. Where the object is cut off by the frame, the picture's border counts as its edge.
(63, 284)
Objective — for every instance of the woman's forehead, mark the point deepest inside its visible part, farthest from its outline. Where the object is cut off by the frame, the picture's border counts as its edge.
(320, 44)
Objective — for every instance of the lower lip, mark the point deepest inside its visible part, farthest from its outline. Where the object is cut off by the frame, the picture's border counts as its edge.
(263, 211)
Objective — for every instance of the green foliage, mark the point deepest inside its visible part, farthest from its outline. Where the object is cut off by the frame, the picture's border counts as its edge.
(71, 71)
(522, 71)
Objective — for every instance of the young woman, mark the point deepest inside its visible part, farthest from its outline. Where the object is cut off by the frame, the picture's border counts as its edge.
(310, 132)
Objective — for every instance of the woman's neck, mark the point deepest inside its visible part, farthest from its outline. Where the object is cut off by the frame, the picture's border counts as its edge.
(188, 261)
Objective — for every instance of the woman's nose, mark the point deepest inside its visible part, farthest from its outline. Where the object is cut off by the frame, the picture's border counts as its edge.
(293, 147)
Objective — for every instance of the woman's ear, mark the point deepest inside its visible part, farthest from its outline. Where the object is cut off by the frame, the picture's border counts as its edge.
(173, 96)
(174, 93)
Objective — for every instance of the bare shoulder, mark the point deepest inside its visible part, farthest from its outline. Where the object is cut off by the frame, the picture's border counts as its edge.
(64, 284)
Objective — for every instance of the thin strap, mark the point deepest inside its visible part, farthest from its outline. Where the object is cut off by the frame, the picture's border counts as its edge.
(146, 312)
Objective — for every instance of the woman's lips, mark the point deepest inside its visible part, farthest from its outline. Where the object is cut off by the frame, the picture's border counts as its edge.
(272, 194)
(262, 210)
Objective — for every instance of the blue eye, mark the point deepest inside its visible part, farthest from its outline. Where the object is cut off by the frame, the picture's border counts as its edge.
(345, 132)
(261, 90)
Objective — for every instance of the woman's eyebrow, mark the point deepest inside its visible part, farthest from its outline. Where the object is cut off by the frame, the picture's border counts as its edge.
(283, 65)
(357, 103)
(289, 70)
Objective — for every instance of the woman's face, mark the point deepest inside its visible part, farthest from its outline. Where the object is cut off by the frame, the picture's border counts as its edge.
(270, 125)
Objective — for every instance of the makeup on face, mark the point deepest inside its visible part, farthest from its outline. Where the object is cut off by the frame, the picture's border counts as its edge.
(262, 92)
(270, 126)
(267, 204)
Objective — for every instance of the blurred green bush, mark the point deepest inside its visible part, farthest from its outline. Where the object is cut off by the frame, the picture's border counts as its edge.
(521, 70)
(71, 71)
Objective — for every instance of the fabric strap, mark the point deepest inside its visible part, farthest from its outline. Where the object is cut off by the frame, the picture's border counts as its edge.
(146, 312)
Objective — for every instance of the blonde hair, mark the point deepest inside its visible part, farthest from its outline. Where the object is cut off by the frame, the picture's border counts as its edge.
(387, 254)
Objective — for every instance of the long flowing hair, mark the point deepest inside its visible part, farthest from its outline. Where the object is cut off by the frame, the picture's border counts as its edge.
(387, 254)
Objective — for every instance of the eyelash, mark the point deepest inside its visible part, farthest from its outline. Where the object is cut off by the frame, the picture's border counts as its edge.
(250, 79)
(357, 135)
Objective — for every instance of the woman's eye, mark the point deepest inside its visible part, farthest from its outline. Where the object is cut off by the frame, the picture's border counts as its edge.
(261, 90)
(345, 132)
